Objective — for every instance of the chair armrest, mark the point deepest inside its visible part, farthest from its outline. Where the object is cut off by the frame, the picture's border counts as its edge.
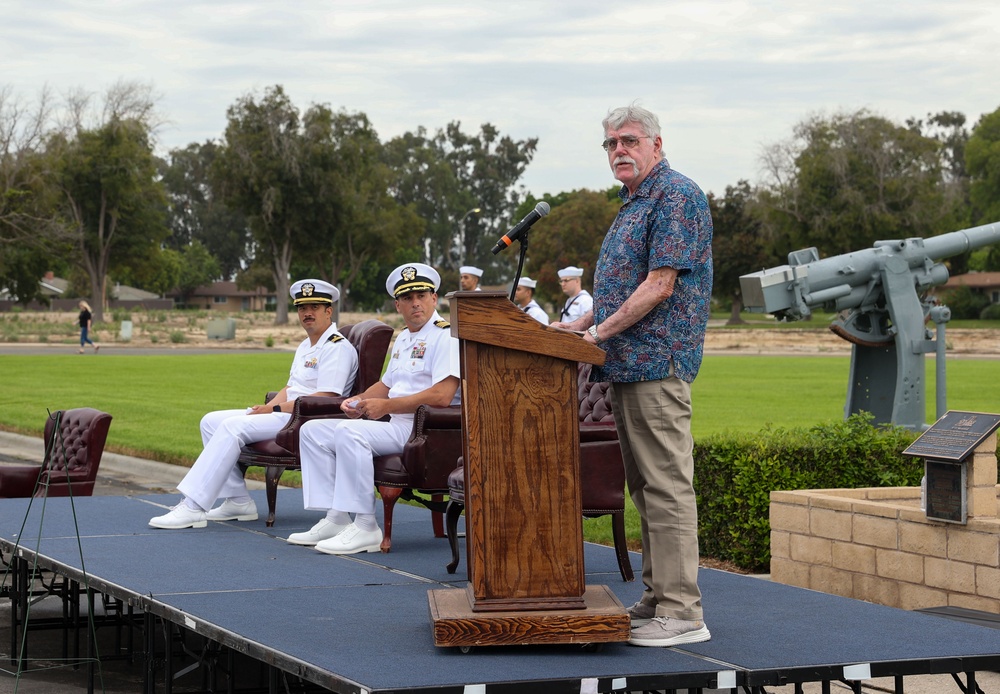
(18, 481)
(437, 418)
(592, 431)
(434, 447)
(305, 408)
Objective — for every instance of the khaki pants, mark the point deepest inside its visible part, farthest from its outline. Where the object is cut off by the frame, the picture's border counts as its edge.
(654, 429)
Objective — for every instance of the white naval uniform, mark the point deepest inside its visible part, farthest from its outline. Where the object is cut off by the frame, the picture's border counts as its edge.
(577, 307)
(337, 454)
(536, 312)
(327, 367)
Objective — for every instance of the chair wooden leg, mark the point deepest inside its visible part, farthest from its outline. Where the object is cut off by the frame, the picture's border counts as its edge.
(455, 509)
(389, 496)
(621, 547)
(272, 475)
(437, 520)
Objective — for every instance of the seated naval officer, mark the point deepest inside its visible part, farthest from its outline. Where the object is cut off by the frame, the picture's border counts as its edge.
(338, 474)
(325, 363)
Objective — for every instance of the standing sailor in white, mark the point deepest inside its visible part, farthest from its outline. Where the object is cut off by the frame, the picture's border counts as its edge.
(524, 297)
(580, 302)
(338, 473)
(469, 278)
(325, 363)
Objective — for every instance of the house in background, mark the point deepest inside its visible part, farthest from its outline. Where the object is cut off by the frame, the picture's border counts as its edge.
(985, 283)
(120, 296)
(225, 296)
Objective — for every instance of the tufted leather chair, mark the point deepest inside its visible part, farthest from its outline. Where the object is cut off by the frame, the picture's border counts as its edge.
(429, 456)
(371, 338)
(74, 445)
(602, 473)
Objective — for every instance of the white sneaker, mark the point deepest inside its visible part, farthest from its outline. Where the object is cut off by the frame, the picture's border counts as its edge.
(323, 530)
(232, 510)
(180, 516)
(352, 541)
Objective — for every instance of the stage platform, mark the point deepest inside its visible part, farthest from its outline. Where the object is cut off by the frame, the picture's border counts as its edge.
(361, 624)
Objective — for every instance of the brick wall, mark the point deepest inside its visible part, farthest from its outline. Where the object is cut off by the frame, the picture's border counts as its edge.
(878, 545)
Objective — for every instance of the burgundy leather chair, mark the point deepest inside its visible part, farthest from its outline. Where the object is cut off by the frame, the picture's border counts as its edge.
(428, 458)
(602, 473)
(74, 445)
(371, 338)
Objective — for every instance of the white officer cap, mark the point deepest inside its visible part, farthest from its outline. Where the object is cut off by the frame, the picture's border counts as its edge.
(412, 277)
(469, 270)
(527, 282)
(570, 271)
(313, 292)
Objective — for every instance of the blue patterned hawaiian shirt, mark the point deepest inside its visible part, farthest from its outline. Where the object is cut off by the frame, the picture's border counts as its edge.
(667, 223)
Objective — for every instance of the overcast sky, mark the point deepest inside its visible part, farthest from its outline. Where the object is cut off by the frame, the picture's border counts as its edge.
(726, 78)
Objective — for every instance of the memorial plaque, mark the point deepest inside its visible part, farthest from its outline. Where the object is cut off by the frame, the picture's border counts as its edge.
(954, 436)
(946, 491)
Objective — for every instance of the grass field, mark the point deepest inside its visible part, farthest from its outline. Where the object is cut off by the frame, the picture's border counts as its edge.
(157, 401)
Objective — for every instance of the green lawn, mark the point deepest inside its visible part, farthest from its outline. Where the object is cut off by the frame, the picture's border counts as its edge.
(158, 401)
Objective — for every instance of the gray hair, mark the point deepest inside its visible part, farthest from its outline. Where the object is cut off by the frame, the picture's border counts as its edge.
(633, 113)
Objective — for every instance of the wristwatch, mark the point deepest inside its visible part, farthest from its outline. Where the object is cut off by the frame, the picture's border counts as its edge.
(276, 408)
(593, 332)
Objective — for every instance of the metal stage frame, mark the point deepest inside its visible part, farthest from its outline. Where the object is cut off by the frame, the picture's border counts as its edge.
(237, 593)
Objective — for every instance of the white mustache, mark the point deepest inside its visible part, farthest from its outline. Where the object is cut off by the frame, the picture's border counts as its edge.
(624, 160)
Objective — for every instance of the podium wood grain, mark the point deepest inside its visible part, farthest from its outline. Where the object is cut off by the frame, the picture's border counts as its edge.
(522, 488)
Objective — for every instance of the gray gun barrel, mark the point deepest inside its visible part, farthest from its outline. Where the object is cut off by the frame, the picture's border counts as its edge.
(851, 280)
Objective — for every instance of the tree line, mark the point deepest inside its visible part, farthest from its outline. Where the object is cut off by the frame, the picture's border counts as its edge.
(288, 192)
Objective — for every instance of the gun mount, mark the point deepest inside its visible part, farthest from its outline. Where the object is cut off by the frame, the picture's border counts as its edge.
(881, 296)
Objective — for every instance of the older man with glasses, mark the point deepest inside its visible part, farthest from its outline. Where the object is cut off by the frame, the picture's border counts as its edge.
(652, 291)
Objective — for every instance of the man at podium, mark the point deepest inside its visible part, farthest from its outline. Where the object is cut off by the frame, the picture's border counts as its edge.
(652, 289)
(338, 474)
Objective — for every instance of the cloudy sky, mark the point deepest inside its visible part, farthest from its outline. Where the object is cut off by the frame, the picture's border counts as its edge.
(726, 77)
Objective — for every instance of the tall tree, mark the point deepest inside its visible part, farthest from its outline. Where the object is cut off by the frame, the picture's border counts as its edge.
(111, 201)
(738, 243)
(983, 160)
(196, 214)
(448, 175)
(844, 182)
(25, 207)
(259, 172)
(352, 217)
(571, 234)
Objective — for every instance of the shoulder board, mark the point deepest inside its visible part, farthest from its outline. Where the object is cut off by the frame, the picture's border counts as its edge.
(336, 338)
(442, 323)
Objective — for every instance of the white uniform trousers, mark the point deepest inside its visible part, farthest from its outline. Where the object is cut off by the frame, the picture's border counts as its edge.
(337, 460)
(224, 433)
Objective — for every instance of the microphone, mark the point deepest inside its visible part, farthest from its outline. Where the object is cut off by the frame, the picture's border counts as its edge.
(518, 230)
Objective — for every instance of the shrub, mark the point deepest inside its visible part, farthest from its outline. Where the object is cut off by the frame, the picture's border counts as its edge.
(991, 312)
(735, 474)
(269, 342)
(178, 337)
(965, 303)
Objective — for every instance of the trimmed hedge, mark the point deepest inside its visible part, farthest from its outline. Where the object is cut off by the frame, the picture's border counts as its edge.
(735, 473)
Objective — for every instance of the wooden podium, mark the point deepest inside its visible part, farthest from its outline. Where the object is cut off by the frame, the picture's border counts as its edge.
(523, 512)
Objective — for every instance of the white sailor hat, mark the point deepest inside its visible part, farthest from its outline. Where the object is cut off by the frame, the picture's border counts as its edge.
(527, 282)
(313, 292)
(469, 270)
(570, 271)
(412, 277)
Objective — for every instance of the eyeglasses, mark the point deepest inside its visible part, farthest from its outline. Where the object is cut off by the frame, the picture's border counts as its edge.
(628, 142)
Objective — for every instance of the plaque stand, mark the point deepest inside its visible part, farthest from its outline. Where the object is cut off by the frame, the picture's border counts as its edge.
(960, 466)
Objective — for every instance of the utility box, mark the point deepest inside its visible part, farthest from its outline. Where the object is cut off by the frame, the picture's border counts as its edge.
(221, 329)
(125, 332)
